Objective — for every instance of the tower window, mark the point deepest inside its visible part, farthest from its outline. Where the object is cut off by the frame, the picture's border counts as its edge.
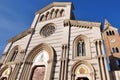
(110, 32)
(107, 33)
(113, 33)
(115, 50)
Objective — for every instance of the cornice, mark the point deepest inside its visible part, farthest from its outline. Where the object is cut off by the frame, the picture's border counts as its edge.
(23, 34)
(54, 4)
(82, 24)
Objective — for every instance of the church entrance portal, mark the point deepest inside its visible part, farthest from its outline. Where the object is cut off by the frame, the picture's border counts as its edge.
(82, 78)
(38, 73)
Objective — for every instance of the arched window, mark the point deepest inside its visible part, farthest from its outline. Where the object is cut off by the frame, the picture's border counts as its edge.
(113, 33)
(14, 55)
(58, 13)
(44, 18)
(110, 32)
(107, 33)
(117, 50)
(62, 12)
(48, 15)
(53, 13)
(41, 18)
(113, 50)
(81, 47)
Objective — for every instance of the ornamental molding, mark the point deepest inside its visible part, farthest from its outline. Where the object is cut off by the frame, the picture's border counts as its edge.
(81, 24)
(23, 34)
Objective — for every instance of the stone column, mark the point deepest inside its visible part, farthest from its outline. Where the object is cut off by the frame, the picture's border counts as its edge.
(15, 72)
(26, 69)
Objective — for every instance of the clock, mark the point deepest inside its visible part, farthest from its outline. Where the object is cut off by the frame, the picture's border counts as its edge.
(112, 40)
(47, 30)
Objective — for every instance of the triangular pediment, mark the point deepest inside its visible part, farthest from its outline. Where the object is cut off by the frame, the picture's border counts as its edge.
(55, 10)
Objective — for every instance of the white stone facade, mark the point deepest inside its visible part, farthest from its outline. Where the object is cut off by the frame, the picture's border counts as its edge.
(61, 47)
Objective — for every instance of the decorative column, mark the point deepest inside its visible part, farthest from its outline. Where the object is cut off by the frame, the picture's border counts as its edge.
(26, 70)
(98, 53)
(103, 58)
(14, 74)
(63, 63)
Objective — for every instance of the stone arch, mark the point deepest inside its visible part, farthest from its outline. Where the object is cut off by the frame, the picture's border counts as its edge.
(39, 48)
(5, 72)
(90, 75)
(30, 59)
(11, 54)
(87, 47)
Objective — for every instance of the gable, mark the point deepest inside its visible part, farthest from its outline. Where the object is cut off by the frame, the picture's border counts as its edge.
(55, 10)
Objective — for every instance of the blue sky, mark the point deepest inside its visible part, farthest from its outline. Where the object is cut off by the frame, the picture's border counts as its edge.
(17, 15)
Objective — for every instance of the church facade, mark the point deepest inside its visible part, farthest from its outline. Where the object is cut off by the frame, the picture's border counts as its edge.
(57, 47)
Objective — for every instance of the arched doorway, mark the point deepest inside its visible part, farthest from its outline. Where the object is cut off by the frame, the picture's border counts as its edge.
(40, 58)
(38, 73)
(82, 78)
(82, 70)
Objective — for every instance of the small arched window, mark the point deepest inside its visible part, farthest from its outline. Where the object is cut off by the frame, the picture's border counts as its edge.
(14, 55)
(62, 12)
(41, 18)
(58, 13)
(107, 33)
(110, 32)
(53, 13)
(113, 33)
(48, 15)
(117, 50)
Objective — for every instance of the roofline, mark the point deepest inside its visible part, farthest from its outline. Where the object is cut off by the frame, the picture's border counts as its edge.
(54, 4)
(79, 23)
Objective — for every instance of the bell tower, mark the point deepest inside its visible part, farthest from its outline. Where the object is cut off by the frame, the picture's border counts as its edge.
(112, 44)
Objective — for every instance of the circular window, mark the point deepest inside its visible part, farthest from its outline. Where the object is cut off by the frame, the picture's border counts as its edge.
(47, 30)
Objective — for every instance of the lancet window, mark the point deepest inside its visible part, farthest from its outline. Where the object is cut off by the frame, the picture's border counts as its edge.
(81, 48)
